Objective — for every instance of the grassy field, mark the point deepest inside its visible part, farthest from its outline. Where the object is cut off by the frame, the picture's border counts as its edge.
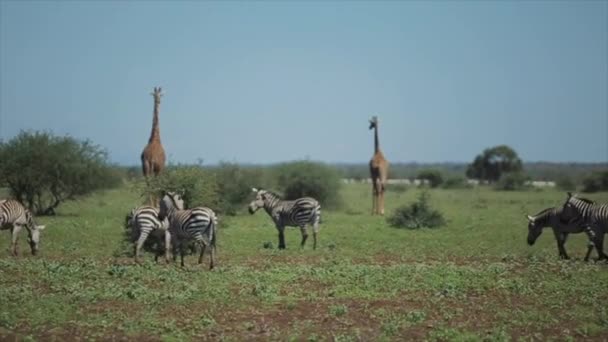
(474, 279)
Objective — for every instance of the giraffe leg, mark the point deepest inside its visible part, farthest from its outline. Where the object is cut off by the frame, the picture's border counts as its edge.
(374, 197)
(381, 206)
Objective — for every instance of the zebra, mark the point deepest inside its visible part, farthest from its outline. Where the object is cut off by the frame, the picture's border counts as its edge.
(297, 213)
(550, 217)
(144, 221)
(593, 216)
(199, 224)
(15, 216)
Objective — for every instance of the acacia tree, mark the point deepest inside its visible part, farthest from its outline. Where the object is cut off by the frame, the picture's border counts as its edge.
(42, 170)
(493, 162)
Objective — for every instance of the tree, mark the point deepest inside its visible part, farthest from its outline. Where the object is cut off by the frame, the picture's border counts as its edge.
(42, 170)
(597, 181)
(493, 162)
(433, 176)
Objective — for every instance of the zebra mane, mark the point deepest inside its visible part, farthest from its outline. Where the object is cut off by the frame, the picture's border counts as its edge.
(272, 193)
(586, 200)
(544, 212)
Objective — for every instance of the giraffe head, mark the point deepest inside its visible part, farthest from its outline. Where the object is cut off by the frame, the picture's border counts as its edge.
(157, 94)
(373, 122)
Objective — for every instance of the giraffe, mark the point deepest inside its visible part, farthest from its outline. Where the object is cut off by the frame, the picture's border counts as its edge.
(153, 155)
(378, 167)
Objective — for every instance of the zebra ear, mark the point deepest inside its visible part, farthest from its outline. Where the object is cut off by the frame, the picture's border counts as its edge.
(254, 190)
(569, 194)
(530, 218)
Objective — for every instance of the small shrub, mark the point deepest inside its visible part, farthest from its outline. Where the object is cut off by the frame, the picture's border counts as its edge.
(433, 176)
(565, 183)
(417, 215)
(235, 183)
(455, 183)
(306, 178)
(597, 181)
(398, 188)
(196, 185)
(512, 181)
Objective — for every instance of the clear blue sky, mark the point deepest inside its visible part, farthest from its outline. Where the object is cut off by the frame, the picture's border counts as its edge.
(274, 81)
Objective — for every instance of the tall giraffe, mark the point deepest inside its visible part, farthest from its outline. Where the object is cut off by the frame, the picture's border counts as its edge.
(153, 156)
(378, 167)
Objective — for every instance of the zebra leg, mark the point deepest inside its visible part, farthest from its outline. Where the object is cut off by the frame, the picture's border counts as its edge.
(167, 245)
(203, 246)
(561, 239)
(15, 236)
(140, 242)
(281, 237)
(212, 256)
(590, 246)
(304, 236)
(181, 251)
(600, 246)
(315, 230)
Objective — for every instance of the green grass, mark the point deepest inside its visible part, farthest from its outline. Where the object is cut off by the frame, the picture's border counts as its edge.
(473, 279)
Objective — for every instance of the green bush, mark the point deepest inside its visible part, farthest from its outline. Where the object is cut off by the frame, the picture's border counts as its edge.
(597, 181)
(234, 184)
(43, 170)
(565, 183)
(455, 183)
(512, 181)
(196, 185)
(433, 176)
(305, 178)
(417, 215)
(398, 188)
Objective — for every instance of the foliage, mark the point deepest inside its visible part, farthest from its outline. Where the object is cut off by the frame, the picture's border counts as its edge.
(43, 170)
(433, 176)
(597, 181)
(493, 162)
(565, 183)
(512, 181)
(197, 186)
(234, 184)
(306, 178)
(457, 182)
(417, 215)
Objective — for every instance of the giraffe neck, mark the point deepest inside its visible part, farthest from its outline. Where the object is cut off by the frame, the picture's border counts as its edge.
(376, 142)
(155, 134)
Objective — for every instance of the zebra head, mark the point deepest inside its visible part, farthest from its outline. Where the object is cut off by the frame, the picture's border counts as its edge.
(534, 229)
(170, 202)
(34, 238)
(373, 122)
(258, 202)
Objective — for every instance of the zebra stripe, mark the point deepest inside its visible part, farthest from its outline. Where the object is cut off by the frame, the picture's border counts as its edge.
(297, 213)
(144, 221)
(15, 216)
(550, 217)
(592, 215)
(198, 224)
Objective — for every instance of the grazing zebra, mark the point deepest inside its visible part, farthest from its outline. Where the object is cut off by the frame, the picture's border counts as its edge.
(550, 217)
(198, 224)
(592, 215)
(15, 216)
(296, 213)
(144, 221)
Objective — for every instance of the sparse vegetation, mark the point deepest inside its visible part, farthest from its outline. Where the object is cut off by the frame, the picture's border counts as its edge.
(396, 284)
(433, 176)
(597, 181)
(417, 215)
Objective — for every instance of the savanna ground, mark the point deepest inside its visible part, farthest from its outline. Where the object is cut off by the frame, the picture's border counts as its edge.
(474, 279)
